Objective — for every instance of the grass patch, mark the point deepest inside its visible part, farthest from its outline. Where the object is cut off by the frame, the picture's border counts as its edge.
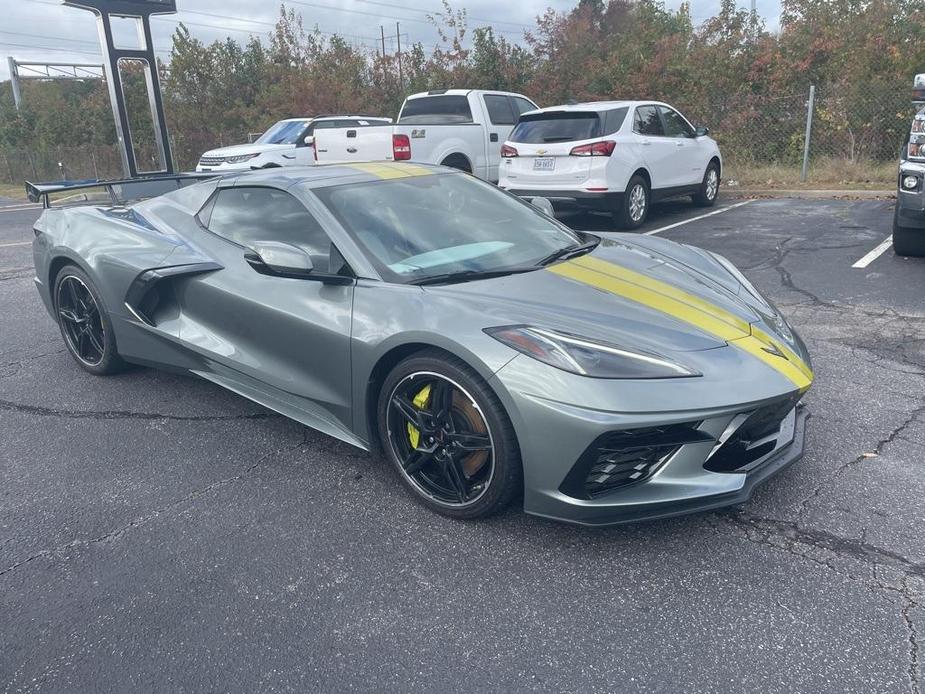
(17, 192)
(824, 174)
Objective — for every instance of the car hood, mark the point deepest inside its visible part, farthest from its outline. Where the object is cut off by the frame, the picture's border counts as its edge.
(632, 291)
(238, 150)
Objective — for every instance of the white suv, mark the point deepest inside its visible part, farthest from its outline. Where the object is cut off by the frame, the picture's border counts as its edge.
(612, 156)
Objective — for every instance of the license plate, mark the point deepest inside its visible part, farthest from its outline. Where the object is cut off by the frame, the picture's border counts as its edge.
(544, 164)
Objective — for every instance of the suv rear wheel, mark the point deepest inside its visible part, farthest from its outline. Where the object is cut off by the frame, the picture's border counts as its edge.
(634, 207)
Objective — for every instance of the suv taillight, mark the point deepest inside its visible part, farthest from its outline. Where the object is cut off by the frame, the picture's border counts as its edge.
(595, 149)
(401, 148)
(508, 151)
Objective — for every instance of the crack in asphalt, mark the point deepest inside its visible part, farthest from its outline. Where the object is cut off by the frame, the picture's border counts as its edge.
(142, 520)
(913, 645)
(876, 452)
(124, 414)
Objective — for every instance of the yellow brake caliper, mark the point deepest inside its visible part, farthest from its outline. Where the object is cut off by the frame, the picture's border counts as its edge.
(420, 402)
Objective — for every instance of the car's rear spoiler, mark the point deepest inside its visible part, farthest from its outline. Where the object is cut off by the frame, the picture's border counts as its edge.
(119, 192)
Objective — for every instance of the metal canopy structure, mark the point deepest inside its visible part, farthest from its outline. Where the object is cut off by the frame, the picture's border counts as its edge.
(31, 70)
(140, 11)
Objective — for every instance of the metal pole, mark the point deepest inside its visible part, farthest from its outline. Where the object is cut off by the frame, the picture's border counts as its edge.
(401, 80)
(14, 82)
(810, 107)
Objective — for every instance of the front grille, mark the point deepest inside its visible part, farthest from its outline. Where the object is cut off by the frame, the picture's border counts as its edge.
(739, 450)
(623, 458)
(211, 161)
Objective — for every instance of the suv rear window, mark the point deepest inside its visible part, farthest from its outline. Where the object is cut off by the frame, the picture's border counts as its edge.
(556, 126)
(436, 109)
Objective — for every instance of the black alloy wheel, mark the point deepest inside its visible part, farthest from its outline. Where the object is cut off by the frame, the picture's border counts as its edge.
(84, 323)
(449, 437)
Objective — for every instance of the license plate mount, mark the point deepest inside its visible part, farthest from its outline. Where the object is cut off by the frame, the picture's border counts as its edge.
(544, 164)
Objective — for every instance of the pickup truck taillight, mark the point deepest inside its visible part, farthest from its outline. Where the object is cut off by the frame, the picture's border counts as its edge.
(595, 149)
(508, 151)
(401, 147)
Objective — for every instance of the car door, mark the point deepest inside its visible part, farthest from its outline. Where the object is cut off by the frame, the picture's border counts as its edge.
(658, 151)
(286, 339)
(690, 163)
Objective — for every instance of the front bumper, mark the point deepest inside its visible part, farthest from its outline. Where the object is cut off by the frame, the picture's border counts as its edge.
(587, 200)
(910, 205)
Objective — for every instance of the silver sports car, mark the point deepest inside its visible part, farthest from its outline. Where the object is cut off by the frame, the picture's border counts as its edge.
(490, 352)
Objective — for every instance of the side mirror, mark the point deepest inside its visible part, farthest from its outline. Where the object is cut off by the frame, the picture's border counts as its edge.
(308, 140)
(701, 131)
(544, 206)
(284, 260)
(280, 259)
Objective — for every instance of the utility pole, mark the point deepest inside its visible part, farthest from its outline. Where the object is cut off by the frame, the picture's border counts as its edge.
(401, 81)
(14, 83)
(382, 32)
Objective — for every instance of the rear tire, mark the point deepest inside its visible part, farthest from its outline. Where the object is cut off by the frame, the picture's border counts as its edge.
(634, 208)
(709, 187)
(84, 322)
(907, 241)
(483, 472)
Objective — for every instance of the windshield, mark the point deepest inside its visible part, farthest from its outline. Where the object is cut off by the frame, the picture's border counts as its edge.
(286, 132)
(424, 226)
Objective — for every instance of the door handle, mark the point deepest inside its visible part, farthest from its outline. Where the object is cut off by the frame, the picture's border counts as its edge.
(352, 150)
(493, 137)
(646, 143)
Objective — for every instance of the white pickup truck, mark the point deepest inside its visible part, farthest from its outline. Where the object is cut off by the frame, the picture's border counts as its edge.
(286, 143)
(462, 128)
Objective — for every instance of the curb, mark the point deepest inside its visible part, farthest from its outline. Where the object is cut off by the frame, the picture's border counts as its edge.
(810, 194)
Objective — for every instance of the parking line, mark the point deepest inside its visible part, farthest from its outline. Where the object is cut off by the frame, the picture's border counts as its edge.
(18, 243)
(694, 219)
(874, 254)
(25, 208)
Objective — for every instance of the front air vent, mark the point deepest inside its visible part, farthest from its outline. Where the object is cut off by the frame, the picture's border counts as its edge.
(622, 458)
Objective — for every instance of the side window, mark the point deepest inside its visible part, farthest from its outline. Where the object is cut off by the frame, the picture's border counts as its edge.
(647, 121)
(247, 215)
(325, 124)
(675, 125)
(499, 109)
(613, 120)
(522, 105)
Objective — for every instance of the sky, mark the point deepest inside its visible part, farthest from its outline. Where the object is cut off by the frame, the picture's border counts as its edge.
(47, 31)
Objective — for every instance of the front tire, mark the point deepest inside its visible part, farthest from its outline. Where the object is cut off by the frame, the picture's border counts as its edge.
(84, 322)
(709, 187)
(906, 241)
(634, 208)
(448, 436)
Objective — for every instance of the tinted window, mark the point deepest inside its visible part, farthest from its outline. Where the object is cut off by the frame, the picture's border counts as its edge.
(647, 121)
(556, 126)
(613, 120)
(499, 110)
(248, 215)
(284, 132)
(416, 227)
(436, 109)
(675, 125)
(522, 105)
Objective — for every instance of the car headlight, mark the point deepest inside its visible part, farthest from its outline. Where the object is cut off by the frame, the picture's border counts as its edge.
(241, 157)
(910, 182)
(586, 357)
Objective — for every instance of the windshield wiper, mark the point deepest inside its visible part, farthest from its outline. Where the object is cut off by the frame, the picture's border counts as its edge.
(569, 252)
(467, 275)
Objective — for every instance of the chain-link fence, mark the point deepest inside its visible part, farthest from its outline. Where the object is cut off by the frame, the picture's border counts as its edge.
(856, 134)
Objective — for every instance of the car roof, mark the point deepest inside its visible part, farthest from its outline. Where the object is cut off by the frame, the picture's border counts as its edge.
(599, 106)
(324, 175)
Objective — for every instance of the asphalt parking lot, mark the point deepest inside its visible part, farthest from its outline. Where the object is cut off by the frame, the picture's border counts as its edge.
(160, 534)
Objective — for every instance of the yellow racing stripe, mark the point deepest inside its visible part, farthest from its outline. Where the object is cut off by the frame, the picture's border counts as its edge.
(690, 309)
(389, 170)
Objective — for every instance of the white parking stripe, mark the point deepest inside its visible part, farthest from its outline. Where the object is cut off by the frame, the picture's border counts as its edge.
(20, 209)
(874, 254)
(694, 219)
(18, 243)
